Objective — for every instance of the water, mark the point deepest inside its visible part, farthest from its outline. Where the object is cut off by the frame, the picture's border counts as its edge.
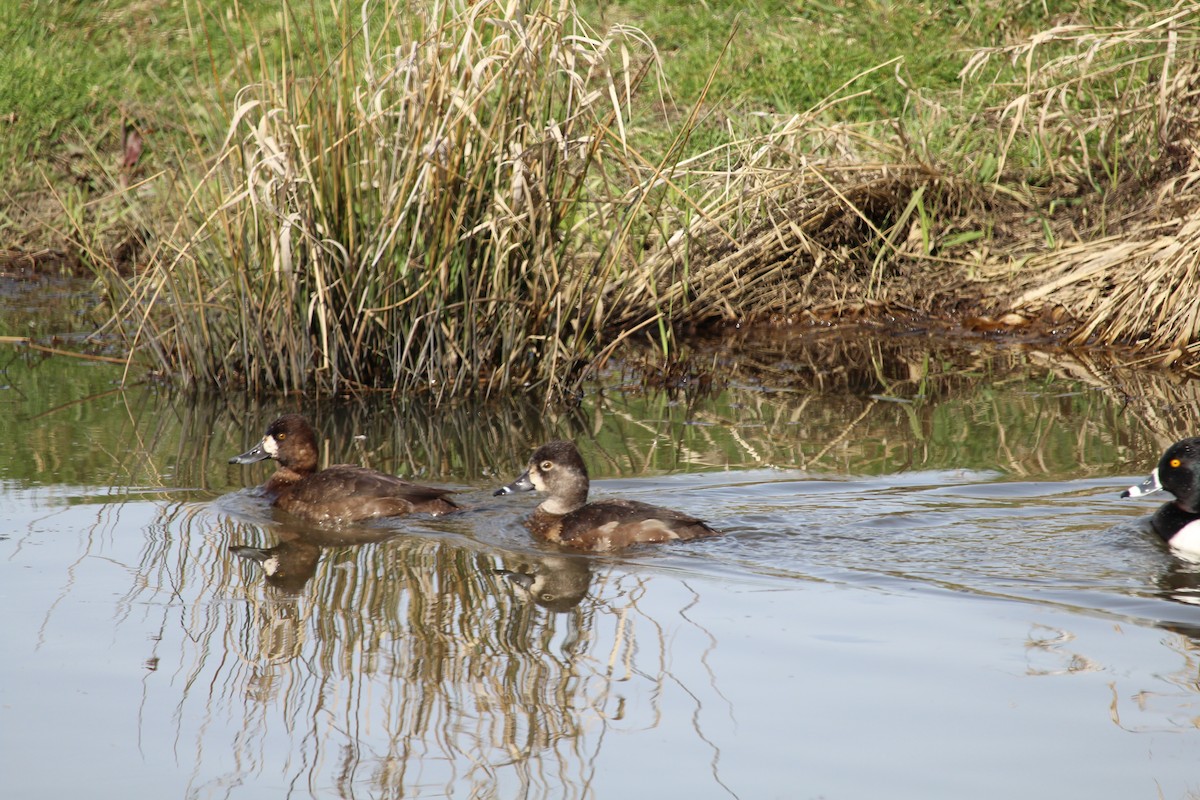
(929, 588)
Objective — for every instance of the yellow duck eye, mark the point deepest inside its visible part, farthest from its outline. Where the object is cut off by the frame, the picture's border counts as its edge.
(1175, 462)
(280, 436)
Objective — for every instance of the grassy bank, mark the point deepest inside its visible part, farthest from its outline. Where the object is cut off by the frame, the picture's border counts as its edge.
(477, 198)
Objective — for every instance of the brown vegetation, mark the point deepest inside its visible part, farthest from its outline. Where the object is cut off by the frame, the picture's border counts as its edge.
(1095, 241)
(479, 218)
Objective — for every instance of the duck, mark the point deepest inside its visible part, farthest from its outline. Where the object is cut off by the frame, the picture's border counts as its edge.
(338, 494)
(566, 518)
(1177, 521)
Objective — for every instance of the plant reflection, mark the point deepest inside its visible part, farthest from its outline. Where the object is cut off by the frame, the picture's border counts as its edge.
(843, 403)
(457, 657)
(391, 650)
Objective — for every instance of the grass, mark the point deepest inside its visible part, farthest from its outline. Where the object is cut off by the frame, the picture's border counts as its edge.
(393, 211)
(789, 57)
(327, 206)
(76, 72)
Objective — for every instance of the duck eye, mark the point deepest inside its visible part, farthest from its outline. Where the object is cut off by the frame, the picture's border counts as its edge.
(546, 466)
(1175, 462)
(281, 436)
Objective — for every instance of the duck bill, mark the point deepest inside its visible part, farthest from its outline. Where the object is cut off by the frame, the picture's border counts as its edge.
(1148, 486)
(256, 453)
(521, 484)
(522, 579)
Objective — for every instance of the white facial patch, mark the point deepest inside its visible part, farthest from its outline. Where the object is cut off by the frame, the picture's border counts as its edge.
(270, 446)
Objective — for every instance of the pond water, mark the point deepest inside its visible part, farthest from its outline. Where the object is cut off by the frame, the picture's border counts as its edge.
(929, 587)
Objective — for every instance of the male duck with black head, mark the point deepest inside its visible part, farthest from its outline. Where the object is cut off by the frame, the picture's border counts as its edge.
(337, 494)
(1178, 521)
(565, 517)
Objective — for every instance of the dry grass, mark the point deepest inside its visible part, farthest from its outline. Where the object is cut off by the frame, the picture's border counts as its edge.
(452, 202)
(810, 221)
(401, 211)
(1130, 276)
(1077, 199)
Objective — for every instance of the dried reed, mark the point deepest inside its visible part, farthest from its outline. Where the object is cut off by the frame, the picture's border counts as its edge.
(397, 208)
(1132, 273)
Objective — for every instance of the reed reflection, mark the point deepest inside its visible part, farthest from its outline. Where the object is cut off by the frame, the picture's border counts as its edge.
(859, 405)
(447, 659)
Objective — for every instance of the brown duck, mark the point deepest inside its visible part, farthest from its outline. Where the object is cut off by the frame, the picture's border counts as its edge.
(337, 494)
(566, 518)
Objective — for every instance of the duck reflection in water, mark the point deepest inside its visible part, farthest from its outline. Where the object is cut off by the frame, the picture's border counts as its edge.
(287, 566)
(565, 517)
(556, 583)
(291, 563)
(1180, 582)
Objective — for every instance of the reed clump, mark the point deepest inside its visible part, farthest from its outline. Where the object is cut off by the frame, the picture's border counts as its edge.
(398, 206)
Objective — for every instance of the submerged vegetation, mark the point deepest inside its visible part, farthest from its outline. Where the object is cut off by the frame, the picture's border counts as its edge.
(460, 198)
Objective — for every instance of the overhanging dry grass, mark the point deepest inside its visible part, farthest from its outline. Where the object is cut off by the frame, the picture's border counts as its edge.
(810, 220)
(1134, 276)
(830, 248)
(1075, 194)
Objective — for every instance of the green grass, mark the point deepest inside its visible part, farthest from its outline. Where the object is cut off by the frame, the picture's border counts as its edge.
(75, 74)
(75, 71)
(791, 57)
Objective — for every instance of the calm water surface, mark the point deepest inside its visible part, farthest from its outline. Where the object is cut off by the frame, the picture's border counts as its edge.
(929, 588)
